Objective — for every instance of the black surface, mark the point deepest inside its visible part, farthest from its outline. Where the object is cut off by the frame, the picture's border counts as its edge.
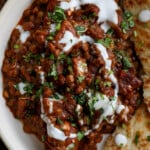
(2, 2)
(2, 146)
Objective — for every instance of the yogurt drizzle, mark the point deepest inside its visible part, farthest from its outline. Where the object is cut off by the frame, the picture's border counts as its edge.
(107, 13)
(144, 16)
(107, 10)
(23, 34)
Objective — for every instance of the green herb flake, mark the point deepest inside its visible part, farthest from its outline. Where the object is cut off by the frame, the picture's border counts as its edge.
(48, 84)
(80, 78)
(148, 138)
(126, 63)
(124, 126)
(110, 31)
(107, 42)
(80, 135)
(101, 110)
(80, 29)
(53, 72)
(16, 46)
(113, 98)
(30, 56)
(107, 84)
(105, 118)
(127, 22)
(52, 57)
(27, 57)
(16, 86)
(140, 44)
(97, 81)
(91, 103)
(102, 96)
(28, 87)
(71, 146)
(43, 138)
(39, 92)
(62, 57)
(135, 33)
(50, 38)
(81, 98)
(136, 139)
(59, 121)
(58, 26)
(58, 15)
(56, 95)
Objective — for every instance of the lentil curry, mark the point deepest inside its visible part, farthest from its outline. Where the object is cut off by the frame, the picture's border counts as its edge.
(70, 71)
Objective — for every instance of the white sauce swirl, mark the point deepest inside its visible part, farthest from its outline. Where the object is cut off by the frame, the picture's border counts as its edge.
(121, 140)
(23, 34)
(107, 13)
(144, 16)
(70, 40)
(107, 10)
(21, 86)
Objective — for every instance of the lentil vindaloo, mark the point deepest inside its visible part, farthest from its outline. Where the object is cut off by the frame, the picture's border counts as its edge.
(70, 71)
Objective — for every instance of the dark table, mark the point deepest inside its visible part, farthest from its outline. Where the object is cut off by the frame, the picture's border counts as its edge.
(2, 146)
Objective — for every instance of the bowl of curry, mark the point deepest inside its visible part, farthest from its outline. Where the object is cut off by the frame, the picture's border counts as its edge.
(69, 72)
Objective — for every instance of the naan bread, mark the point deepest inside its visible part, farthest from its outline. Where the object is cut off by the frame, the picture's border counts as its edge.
(138, 125)
(142, 42)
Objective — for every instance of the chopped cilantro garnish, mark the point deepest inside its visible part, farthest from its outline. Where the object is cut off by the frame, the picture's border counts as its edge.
(56, 95)
(81, 98)
(16, 86)
(50, 38)
(101, 96)
(80, 29)
(48, 84)
(136, 139)
(53, 71)
(105, 118)
(28, 87)
(80, 135)
(101, 110)
(71, 146)
(43, 138)
(62, 57)
(148, 138)
(58, 15)
(127, 22)
(39, 92)
(124, 126)
(124, 59)
(80, 78)
(91, 103)
(110, 31)
(59, 121)
(16, 46)
(58, 26)
(52, 57)
(113, 98)
(126, 63)
(30, 56)
(107, 84)
(135, 33)
(107, 42)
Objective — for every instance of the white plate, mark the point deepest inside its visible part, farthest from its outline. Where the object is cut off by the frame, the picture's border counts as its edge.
(11, 129)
